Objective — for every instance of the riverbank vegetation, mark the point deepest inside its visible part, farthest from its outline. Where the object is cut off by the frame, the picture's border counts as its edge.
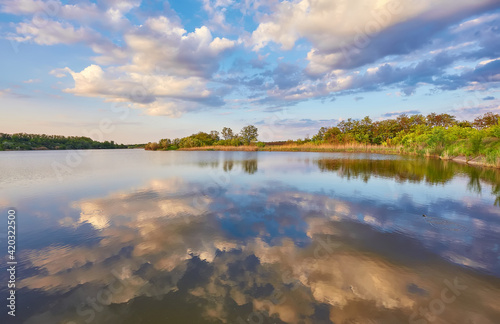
(23, 141)
(246, 137)
(437, 135)
(432, 135)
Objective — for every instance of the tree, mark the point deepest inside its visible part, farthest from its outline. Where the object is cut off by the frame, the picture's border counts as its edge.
(486, 120)
(227, 133)
(165, 143)
(321, 134)
(215, 135)
(152, 146)
(444, 120)
(249, 134)
(203, 138)
(331, 135)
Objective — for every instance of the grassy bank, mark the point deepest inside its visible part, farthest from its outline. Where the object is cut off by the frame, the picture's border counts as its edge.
(440, 136)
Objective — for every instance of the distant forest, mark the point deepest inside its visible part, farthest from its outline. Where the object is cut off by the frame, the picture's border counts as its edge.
(23, 141)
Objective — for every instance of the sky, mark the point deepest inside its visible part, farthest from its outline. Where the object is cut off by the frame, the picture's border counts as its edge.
(137, 71)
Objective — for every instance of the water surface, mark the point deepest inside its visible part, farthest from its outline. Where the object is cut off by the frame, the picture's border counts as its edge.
(133, 236)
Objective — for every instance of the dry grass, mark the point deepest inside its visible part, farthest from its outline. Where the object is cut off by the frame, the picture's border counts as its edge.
(308, 147)
(351, 147)
(221, 148)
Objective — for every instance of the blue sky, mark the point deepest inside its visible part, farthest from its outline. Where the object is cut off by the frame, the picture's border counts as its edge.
(137, 71)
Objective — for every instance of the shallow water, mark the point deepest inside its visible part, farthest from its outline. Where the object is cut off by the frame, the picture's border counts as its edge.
(133, 236)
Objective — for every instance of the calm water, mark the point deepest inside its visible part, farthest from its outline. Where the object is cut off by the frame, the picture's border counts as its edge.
(129, 236)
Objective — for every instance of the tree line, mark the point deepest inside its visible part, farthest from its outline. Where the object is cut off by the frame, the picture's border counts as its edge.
(434, 134)
(247, 136)
(23, 141)
(389, 131)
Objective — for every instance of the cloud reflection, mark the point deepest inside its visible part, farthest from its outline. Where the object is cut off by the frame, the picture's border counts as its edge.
(261, 250)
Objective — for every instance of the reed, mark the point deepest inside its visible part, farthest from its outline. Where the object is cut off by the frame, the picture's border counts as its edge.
(246, 148)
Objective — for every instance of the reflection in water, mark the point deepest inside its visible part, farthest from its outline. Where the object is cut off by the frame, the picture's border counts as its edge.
(247, 165)
(429, 171)
(302, 248)
(250, 166)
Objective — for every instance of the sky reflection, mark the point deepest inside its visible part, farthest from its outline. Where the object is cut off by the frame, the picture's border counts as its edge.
(289, 238)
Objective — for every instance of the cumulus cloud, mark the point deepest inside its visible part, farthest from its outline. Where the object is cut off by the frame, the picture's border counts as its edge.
(383, 46)
(216, 9)
(160, 68)
(167, 70)
(107, 13)
(52, 32)
(378, 29)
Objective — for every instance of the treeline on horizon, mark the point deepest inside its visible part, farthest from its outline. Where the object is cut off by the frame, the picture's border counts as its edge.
(434, 134)
(23, 141)
(247, 136)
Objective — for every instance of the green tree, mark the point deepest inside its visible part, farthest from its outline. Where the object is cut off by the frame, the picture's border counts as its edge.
(227, 133)
(486, 120)
(332, 135)
(321, 134)
(215, 135)
(249, 134)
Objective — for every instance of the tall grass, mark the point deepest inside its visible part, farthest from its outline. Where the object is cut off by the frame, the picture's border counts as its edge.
(221, 148)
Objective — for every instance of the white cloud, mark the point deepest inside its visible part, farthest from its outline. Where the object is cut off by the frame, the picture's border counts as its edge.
(32, 81)
(107, 13)
(338, 35)
(167, 70)
(22, 6)
(59, 73)
(52, 32)
(159, 66)
(216, 10)
(157, 93)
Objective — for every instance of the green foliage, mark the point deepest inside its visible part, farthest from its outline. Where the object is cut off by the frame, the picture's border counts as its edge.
(23, 141)
(494, 131)
(475, 143)
(249, 134)
(201, 139)
(227, 133)
(434, 134)
(486, 120)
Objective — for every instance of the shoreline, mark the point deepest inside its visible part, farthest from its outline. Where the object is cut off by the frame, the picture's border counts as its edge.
(477, 161)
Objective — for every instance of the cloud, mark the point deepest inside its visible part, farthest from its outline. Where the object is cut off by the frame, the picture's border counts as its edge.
(376, 31)
(108, 13)
(10, 93)
(32, 81)
(160, 68)
(216, 9)
(469, 113)
(158, 94)
(60, 73)
(398, 113)
(489, 98)
(383, 46)
(51, 33)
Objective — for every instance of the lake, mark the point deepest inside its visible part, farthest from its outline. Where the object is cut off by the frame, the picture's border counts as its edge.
(134, 236)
